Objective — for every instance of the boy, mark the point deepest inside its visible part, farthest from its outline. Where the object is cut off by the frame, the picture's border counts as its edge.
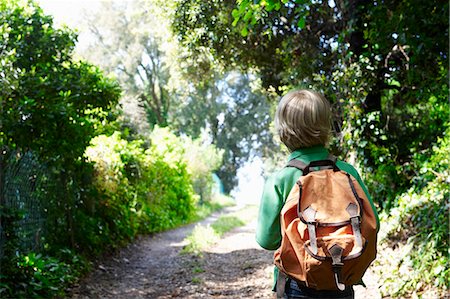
(303, 122)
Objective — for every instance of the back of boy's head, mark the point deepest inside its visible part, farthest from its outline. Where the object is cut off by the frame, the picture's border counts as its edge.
(303, 119)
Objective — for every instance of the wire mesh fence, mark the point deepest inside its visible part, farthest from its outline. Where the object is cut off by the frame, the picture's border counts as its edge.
(24, 183)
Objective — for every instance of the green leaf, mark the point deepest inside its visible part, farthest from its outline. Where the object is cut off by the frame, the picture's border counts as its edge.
(301, 23)
(243, 6)
(269, 7)
(235, 22)
(248, 15)
(236, 14)
(244, 32)
(254, 20)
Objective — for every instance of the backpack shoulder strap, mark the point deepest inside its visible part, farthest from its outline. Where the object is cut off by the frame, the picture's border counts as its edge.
(297, 164)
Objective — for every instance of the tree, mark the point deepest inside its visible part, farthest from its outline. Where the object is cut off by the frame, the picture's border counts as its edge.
(378, 74)
(48, 100)
(127, 45)
(236, 116)
(50, 104)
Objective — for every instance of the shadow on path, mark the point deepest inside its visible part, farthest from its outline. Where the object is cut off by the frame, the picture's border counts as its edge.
(139, 269)
(152, 267)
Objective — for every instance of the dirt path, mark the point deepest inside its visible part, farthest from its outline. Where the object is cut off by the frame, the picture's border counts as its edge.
(235, 267)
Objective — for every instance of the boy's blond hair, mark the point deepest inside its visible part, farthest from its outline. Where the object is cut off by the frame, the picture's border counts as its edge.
(303, 119)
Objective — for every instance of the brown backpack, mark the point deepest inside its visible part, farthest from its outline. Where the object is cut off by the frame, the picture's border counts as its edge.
(329, 230)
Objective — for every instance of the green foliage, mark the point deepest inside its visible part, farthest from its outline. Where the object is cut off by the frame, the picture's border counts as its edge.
(52, 107)
(417, 230)
(377, 74)
(235, 114)
(274, 46)
(142, 191)
(134, 189)
(253, 12)
(44, 92)
(36, 276)
(126, 42)
(227, 97)
(200, 157)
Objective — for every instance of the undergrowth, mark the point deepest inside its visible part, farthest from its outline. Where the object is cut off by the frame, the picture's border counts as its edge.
(40, 276)
(414, 235)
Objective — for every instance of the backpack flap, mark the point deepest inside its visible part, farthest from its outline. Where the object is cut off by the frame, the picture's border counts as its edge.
(329, 193)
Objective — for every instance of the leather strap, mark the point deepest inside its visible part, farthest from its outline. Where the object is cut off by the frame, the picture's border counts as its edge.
(336, 256)
(329, 162)
(309, 214)
(355, 221)
(297, 164)
(281, 284)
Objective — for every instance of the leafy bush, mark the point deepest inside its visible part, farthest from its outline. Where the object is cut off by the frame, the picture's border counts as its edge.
(387, 143)
(51, 107)
(416, 231)
(201, 158)
(130, 189)
(36, 276)
(51, 103)
(141, 191)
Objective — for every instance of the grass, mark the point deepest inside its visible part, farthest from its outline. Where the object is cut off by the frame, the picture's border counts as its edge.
(225, 224)
(218, 202)
(200, 238)
(204, 236)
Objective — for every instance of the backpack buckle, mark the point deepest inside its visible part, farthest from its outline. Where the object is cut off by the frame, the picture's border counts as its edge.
(355, 220)
(309, 214)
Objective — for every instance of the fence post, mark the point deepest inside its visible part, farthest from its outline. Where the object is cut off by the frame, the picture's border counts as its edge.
(68, 206)
(3, 158)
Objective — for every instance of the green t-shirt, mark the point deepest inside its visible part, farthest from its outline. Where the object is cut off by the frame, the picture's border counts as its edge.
(276, 191)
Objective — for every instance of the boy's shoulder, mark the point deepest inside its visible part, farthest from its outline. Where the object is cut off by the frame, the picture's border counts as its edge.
(350, 169)
(283, 179)
(285, 173)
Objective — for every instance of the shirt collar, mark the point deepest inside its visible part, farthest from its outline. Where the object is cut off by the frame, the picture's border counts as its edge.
(317, 149)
